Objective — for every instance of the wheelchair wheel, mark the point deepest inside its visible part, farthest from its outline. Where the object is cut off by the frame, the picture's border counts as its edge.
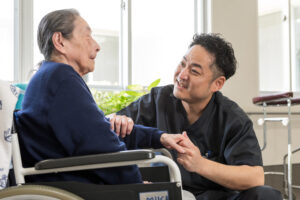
(36, 192)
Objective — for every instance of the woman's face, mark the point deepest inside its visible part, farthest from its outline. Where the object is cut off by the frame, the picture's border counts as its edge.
(81, 49)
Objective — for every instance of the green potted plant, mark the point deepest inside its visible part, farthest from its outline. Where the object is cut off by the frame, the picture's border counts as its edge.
(113, 101)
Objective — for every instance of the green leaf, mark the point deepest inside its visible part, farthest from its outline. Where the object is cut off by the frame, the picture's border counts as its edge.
(135, 87)
(132, 93)
(153, 84)
(111, 101)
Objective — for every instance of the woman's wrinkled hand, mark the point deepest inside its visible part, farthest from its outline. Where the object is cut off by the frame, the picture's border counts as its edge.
(121, 124)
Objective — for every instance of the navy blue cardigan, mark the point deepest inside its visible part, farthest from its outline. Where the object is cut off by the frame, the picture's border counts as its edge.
(60, 118)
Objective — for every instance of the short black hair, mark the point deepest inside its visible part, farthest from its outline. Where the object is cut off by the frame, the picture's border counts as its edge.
(221, 50)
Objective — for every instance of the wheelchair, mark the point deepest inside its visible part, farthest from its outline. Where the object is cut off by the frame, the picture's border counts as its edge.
(169, 184)
(166, 180)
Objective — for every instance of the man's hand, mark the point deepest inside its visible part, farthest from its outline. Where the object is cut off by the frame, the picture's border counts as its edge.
(121, 124)
(190, 160)
(171, 141)
(234, 177)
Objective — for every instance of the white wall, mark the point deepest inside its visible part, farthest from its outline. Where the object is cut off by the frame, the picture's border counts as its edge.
(237, 21)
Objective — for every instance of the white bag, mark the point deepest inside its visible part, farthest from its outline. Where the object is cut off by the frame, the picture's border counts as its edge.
(8, 99)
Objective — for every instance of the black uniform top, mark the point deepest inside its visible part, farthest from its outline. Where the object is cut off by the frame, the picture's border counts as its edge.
(223, 133)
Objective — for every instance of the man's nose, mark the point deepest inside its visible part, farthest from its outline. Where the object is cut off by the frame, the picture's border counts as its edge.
(183, 73)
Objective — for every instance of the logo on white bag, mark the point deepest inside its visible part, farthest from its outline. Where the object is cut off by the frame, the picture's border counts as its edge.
(14, 90)
(3, 180)
(7, 135)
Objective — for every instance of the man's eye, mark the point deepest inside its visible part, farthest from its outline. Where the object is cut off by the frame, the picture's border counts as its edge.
(182, 64)
(195, 71)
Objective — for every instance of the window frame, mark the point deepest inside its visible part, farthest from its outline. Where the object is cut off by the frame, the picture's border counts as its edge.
(23, 39)
(288, 41)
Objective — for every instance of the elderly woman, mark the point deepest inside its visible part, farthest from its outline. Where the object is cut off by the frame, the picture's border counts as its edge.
(60, 117)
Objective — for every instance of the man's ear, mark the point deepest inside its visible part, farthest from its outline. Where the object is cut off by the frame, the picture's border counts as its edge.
(58, 42)
(218, 83)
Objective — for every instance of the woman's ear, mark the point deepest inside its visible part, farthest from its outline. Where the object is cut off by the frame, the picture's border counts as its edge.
(218, 83)
(58, 42)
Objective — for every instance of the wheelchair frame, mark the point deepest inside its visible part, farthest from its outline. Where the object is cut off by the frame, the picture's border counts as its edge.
(97, 161)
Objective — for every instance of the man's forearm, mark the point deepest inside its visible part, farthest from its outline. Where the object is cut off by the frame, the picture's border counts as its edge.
(233, 177)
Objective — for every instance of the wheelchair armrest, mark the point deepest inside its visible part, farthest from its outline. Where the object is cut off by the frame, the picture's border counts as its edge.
(121, 156)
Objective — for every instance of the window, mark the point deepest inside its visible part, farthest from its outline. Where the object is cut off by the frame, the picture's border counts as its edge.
(279, 45)
(104, 18)
(140, 40)
(160, 37)
(7, 40)
(295, 44)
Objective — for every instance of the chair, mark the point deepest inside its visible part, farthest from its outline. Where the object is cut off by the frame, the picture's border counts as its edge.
(165, 186)
(280, 99)
(76, 191)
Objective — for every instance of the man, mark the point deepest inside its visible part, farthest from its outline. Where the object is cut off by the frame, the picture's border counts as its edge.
(222, 154)
(59, 117)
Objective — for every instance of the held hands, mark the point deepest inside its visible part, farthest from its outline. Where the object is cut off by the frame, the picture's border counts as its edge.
(191, 157)
(171, 141)
(121, 124)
